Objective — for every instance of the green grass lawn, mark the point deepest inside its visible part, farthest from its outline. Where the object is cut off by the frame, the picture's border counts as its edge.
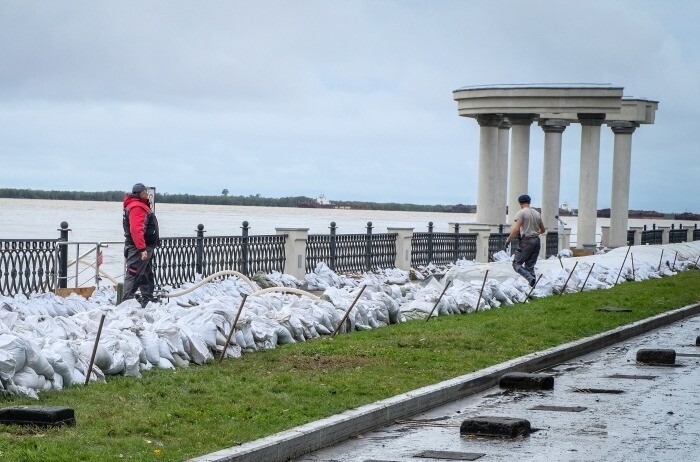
(173, 416)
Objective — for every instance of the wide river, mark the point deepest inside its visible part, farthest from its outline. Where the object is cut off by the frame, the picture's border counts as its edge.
(101, 221)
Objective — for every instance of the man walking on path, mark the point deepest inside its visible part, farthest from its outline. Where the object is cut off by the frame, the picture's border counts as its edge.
(528, 225)
(141, 238)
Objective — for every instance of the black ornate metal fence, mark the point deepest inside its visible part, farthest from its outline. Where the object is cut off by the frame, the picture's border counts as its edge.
(676, 236)
(442, 248)
(27, 265)
(652, 236)
(497, 241)
(552, 244)
(180, 259)
(630, 237)
(696, 233)
(351, 252)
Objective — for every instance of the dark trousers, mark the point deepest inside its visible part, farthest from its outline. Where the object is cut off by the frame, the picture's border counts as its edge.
(138, 275)
(525, 257)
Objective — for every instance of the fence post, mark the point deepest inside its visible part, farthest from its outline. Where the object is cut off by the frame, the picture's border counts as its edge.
(665, 234)
(403, 247)
(368, 256)
(244, 249)
(689, 236)
(295, 251)
(430, 242)
(456, 245)
(333, 246)
(63, 256)
(199, 250)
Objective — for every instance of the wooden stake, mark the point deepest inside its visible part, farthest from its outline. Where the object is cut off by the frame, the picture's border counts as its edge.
(233, 327)
(674, 262)
(660, 259)
(438, 300)
(94, 350)
(348, 311)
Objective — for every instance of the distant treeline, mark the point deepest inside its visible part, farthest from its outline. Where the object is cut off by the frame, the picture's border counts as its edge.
(255, 200)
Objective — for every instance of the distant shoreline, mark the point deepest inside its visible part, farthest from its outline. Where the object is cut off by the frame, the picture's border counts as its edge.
(294, 201)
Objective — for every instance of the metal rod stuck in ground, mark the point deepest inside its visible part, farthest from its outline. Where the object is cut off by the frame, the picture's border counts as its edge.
(94, 350)
(481, 292)
(347, 313)
(233, 327)
(567, 279)
(623, 264)
(589, 274)
(438, 300)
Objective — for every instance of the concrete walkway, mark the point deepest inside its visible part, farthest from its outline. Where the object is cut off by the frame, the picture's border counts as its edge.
(304, 440)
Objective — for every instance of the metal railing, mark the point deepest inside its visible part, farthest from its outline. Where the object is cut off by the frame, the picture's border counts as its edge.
(442, 248)
(351, 252)
(27, 266)
(180, 259)
(676, 236)
(652, 236)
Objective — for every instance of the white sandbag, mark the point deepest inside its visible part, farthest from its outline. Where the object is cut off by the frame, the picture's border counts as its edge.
(57, 382)
(27, 377)
(103, 358)
(164, 364)
(61, 369)
(37, 361)
(26, 392)
(8, 365)
(150, 343)
(16, 347)
(197, 348)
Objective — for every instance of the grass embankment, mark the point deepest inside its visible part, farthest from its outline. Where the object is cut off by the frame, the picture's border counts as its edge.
(177, 415)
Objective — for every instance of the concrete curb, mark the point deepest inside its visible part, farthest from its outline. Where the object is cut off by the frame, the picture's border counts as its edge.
(310, 437)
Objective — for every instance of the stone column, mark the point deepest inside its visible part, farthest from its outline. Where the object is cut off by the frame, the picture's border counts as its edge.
(487, 209)
(482, 241)
(519, 160)
(295, 251)
(637, 235)
(622, 160)
(502, 170)
(553, 128)
(588, 179)
(604, 237)
(403, 247)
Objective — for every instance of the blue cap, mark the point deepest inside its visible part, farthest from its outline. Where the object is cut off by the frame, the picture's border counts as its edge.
(524, 199)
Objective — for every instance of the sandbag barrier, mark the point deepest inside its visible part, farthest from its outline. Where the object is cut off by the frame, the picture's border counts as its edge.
(46, 341)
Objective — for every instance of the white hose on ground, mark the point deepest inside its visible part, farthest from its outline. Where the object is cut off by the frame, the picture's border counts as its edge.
(252, 285)
(290, 290)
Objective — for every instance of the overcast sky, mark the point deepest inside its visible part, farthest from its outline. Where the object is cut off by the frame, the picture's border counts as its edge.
(352, 99)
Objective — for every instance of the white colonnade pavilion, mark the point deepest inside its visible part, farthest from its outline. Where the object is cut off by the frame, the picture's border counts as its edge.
(503, 110)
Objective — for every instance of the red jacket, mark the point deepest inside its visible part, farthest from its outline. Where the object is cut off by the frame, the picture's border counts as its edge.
(136, 211)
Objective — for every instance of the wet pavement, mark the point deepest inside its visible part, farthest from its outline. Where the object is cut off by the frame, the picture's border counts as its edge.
(604, 407)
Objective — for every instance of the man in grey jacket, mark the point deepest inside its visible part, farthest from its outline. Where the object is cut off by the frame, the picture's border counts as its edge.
(528, 225)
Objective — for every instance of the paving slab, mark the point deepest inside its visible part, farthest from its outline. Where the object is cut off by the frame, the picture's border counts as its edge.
(628, 414)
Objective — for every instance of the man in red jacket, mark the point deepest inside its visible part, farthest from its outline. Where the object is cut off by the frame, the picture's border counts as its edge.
(141, 238)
